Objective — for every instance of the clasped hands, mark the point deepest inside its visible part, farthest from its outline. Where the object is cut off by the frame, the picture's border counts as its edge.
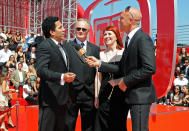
(119, 82)
(69, 77)
(94, 62)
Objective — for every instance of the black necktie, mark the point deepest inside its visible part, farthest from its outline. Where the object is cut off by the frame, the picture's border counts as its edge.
(62, 52)
(126, 42)
(82, 44)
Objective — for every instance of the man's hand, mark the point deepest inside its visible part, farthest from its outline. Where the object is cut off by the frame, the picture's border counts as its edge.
(92, 61)
(69, 77)
(114, 82)
(122, 85)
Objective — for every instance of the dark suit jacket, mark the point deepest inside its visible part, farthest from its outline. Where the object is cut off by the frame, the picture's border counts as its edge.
(137, 67)
(50, 65)
(84, 74)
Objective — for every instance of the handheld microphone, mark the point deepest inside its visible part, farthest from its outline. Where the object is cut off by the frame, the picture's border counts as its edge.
(80, 51)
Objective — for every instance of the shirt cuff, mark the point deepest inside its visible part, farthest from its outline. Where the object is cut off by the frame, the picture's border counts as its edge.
(100, 63)
(62, 82)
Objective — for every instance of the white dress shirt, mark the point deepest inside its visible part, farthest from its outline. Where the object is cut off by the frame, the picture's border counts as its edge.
(33, 55)
(180, 82)
(85, 43)
(131, 34)
(4, 55)
(30, 39)
(20, 76)
(28, 88)
(62, 82)
(24, 66)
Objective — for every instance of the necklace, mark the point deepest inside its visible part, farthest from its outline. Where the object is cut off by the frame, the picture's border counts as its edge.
(112, 57)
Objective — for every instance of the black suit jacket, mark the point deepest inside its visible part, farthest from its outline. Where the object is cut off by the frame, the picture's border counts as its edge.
(84, 74)
(50, 65)
(137, 67)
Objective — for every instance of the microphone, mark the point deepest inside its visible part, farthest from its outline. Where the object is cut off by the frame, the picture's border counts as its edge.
(80, 51)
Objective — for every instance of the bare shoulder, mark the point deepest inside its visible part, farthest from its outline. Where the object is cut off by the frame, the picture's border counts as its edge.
(4, 83)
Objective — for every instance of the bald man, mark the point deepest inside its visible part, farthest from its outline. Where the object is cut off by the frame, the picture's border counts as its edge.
(137, 67)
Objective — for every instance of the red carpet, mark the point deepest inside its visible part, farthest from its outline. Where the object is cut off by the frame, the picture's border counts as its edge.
(164, 118)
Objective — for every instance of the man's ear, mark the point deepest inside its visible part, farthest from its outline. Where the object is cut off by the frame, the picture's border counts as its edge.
(52, 32)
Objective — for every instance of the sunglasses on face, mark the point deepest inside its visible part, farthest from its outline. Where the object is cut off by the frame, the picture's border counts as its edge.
(83, 29)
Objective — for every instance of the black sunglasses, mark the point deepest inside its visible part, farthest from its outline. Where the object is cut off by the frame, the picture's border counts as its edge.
(83, 29)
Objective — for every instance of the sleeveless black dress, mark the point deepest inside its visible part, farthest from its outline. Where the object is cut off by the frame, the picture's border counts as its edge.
(18, 57)
(110, 115)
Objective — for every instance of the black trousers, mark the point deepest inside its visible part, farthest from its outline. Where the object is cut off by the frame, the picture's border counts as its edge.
(31, 98)
(52, 119)
(87, 112)
(139, 116)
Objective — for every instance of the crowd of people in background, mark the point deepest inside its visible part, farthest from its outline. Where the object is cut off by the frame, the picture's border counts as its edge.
(17, 56)
(179, 94)
(17, 60)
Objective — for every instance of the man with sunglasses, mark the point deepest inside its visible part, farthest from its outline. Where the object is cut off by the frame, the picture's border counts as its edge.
(137, 66)
(82, 88)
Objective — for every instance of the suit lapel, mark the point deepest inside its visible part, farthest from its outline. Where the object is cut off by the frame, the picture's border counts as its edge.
(17, 75)
(131, 43)
(89, 49)
(67, 58)
(57, 50)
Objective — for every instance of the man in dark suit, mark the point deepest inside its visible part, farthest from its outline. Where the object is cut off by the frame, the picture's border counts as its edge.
(52, 65)
(137, 67)
(82, 94)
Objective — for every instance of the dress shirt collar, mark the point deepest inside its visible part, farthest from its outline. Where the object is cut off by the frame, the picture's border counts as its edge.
(131, 34)
(56, 42)
(79, 42)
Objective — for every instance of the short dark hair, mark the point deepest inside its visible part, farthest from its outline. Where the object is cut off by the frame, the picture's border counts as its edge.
(22, 57)
(182, 72)
(20, 64)
(49, 24)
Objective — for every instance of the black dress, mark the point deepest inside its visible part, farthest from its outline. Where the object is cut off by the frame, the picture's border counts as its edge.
(18, 57)
(110, 115)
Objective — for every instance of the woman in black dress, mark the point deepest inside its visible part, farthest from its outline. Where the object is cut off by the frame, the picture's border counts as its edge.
(19, 54)
(110, 101)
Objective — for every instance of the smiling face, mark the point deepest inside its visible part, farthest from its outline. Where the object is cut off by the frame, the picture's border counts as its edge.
(21, 49)
(18, 33)
(109, 38)
(183, 50)
(176, 89)
(19, 66)
(12, 58)
(82, 29)
(59, 32)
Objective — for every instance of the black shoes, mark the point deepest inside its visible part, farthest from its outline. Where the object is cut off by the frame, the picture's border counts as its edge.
(11, 125)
